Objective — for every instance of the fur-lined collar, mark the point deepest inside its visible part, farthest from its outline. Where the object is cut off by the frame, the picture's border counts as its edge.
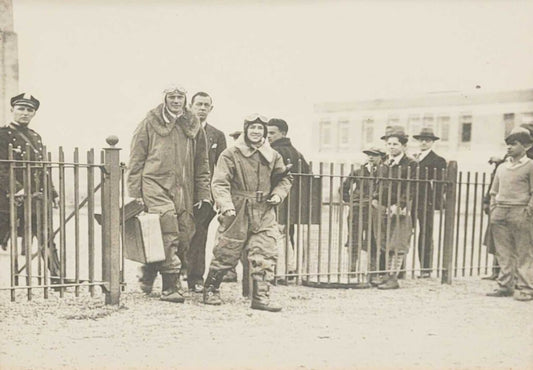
(187, 121)
(265, 150)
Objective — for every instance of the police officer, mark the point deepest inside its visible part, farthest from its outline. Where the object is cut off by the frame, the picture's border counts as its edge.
(22, 138)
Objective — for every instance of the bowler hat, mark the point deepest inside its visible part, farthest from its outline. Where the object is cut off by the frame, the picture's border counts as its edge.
(426, 133)
(396, 131)
(519, 134)
(26, 100)
(374, 150)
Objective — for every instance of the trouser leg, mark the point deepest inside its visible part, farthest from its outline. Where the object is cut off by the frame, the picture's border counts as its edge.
(196, 253)
(503, 241)
(522, 231)
(425, 239)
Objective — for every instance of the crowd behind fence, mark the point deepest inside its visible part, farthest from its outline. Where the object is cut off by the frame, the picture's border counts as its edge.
(325, 252)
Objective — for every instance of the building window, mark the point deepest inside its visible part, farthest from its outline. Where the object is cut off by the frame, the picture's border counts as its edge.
(393, 120)
(325, 134)
(413, 125)
(443, 128)
(343, 133)
(428, 121)
(508, 119)
(368, 131)
(527, 117)
(466, 128)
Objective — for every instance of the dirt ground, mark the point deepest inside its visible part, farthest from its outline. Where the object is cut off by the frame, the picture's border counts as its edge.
(423, 325)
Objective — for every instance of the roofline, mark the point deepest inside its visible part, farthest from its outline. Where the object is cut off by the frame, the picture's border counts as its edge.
(431, 99)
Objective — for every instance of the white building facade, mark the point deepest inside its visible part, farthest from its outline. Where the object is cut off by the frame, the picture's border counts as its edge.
(471, 126)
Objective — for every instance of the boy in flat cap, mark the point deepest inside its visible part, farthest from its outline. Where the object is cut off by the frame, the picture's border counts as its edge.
(169, 172)
(20, 136)
(245, 194)
(511, 218)
(359, 189)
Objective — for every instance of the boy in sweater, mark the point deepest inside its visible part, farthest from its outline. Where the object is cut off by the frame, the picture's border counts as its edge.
(511, 219)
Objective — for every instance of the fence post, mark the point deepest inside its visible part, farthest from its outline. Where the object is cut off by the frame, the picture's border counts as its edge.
(449, 221)
(110, 222)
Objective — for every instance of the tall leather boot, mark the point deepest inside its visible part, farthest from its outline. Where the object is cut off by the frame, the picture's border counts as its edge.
(261, 297)
(172, 288)
(211, 287)
(146, 277)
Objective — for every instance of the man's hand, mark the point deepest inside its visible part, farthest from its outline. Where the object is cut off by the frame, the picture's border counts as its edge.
(274, 200)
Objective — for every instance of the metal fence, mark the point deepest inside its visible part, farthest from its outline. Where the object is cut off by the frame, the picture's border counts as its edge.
(55, 245)
(354, 237)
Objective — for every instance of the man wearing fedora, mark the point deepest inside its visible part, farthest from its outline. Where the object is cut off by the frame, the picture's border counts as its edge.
(393, 213)
(20, 136)
(358, 190)
(511, 218)
(429, 197)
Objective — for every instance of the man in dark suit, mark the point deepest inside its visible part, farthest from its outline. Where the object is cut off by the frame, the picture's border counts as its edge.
(277, 136)
(20, 136)
(201, 106)
(429, 197)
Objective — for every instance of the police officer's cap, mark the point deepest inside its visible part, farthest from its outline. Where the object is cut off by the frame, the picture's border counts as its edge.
(26, 100)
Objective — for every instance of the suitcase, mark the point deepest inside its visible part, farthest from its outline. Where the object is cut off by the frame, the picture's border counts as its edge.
(143, 239)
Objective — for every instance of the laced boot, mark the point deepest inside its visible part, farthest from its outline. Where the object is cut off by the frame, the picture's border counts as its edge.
(211, 287)
(172, 288)
(261, 297)
(146, 277)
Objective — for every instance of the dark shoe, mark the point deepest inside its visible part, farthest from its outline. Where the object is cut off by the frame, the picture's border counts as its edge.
(424, 275)
(197, 287)
(391, 283)
(212, 296)
(211, 287)
(378, 280)
(361, 286)
(523, 296)
(500, 292)
(261, 297)
(172, 289)
(230, 276)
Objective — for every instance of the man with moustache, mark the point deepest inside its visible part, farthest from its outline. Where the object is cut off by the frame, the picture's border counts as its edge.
(201, 106)
(169, 173)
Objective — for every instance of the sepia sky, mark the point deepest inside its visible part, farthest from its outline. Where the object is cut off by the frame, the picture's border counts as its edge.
(99, 66)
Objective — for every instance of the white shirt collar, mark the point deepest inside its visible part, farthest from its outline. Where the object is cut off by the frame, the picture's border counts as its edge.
(396, 159)
(423, 154)
(174, 116)
(521, 161)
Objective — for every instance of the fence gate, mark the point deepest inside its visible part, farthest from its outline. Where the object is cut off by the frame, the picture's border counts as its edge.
(48, 226)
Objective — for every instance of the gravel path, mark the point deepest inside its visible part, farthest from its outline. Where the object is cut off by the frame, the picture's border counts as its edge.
(424, 325)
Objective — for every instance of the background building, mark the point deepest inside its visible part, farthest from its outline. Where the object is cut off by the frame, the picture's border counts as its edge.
(471, 126)
(8, 59)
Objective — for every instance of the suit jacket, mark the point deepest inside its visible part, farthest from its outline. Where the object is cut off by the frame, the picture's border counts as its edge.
(401, 171)
(427, 166)
(216, 143)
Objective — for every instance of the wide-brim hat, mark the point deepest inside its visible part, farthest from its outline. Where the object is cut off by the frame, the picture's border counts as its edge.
(396, 131)
(374, 150)
(26, 100)
(426, 133)
(519, 134)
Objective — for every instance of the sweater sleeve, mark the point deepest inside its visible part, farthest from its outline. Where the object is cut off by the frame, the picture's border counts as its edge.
(221, 183)
(495, 186)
